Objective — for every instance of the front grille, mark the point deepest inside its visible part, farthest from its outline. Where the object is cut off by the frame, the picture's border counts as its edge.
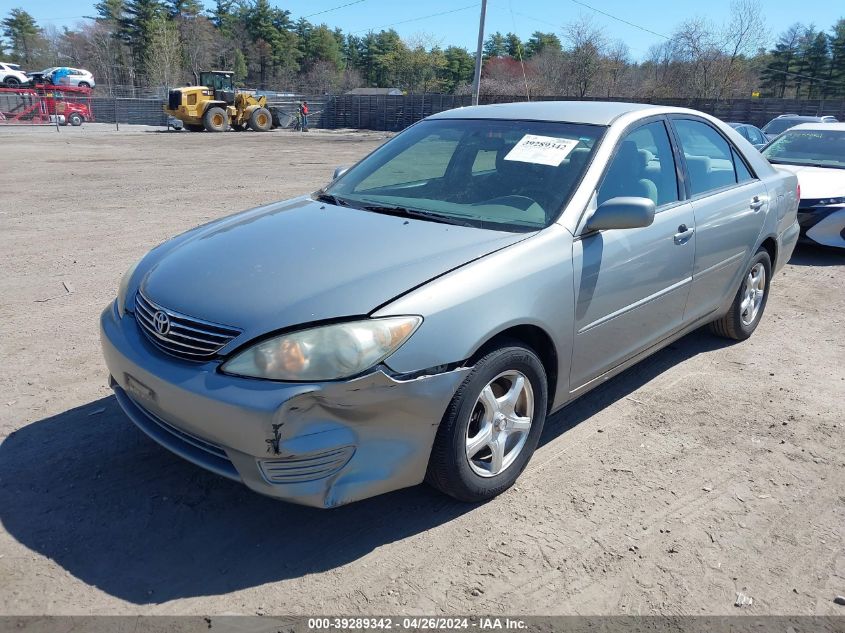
(306, 468)
(182, 336)
(174, 99)
(186, 445)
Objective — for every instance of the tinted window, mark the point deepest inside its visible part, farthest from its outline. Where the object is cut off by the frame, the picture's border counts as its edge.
(708, 156)
(756, 136)
(742, 172)
(498, 174)
(776, 126)
(643, 167)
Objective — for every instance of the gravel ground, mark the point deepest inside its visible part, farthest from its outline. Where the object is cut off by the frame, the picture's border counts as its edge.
(707, 470)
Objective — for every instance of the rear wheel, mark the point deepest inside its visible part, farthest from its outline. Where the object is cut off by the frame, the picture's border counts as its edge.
(747, 308)
(12, 81)
(84, 84)
(215, 120)
(260, 120)
(491, 427)
(76, 119)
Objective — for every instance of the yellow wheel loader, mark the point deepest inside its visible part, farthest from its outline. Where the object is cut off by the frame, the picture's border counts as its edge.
(215, 106)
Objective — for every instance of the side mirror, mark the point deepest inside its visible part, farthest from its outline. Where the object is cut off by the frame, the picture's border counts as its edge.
(339, 171)
(622, 213)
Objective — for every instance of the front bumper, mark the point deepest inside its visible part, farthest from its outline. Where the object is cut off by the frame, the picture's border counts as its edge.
(823, 225)
(318, 444)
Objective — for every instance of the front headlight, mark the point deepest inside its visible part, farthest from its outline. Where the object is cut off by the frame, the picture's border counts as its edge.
(329, 352)
(124, 287)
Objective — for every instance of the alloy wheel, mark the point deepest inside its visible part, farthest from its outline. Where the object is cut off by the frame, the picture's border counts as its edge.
(753, 291)
(500, 423)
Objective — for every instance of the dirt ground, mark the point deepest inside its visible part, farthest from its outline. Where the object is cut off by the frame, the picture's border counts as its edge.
(707, 470)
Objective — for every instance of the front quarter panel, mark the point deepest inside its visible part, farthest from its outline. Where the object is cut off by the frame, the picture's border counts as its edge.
(528, 283)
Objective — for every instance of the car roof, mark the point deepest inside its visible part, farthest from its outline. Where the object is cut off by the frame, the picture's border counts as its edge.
(803, 117)
(819, 126)
(590, 112)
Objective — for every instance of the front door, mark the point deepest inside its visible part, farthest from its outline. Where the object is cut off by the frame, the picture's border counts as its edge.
(631, 285)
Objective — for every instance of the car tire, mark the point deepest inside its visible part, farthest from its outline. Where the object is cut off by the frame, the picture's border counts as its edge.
(12, 81)
(260, 120)
(84, 84)
(750, 301)
(76, 119)
(456, 466)
(215, 119)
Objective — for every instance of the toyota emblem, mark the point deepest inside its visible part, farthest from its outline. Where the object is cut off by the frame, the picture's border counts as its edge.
(161, 322)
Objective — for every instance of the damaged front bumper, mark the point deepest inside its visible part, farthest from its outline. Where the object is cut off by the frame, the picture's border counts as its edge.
(318, 444)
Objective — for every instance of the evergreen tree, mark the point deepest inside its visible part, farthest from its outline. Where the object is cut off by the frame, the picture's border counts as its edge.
(814, 61)
(514, 46)
(783, 59)
(23, 34)
(836, 68)
(541, 41)
(495, 46)
(459, 68)
(137, 25)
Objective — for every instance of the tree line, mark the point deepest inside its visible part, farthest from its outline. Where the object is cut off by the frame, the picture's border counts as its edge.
(160, 43)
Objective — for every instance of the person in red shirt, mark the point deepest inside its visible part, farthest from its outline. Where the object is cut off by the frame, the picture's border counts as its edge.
(303, 114)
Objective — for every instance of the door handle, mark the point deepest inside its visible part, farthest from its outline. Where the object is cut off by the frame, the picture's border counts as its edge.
(683, 235)
(757, 203)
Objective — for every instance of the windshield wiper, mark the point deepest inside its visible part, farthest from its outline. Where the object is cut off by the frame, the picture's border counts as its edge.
(796, 164)
(331, 199)
(413, 213)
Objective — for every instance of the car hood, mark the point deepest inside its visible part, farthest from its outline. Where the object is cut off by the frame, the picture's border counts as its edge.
(303, 261)
(818, 182)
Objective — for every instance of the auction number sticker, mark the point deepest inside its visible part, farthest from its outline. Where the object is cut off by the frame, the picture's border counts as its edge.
(542, 150)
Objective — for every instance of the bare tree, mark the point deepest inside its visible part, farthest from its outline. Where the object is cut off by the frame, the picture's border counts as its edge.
(616, 62)
(741, 38)
(203, 43)
(584, 54)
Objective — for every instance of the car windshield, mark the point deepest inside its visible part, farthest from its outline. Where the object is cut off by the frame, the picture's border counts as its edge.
(776, 126)
(820, 148)
(498, 174)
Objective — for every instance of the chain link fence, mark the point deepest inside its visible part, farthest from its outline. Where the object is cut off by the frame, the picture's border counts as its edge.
(66, 106)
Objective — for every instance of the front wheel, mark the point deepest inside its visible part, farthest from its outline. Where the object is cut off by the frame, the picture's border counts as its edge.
(491, 427)
(215, 120)
(747, 308)
(260, 120)
(75, 119)
(12, 81)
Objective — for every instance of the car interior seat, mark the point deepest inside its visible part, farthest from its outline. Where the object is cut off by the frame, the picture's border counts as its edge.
(627, 176)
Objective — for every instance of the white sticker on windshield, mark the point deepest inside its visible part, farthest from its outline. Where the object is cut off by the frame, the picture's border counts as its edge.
(543, 150)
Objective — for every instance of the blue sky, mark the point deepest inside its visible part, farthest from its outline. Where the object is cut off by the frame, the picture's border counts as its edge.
(458, 25)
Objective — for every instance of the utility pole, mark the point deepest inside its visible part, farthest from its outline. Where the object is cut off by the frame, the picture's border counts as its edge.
(476, 82)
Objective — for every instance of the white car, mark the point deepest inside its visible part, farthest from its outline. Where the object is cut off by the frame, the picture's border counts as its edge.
(11, 75)
(815, 152)
(66, 76)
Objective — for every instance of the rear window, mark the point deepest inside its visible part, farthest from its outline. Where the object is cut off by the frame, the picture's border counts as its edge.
(777, 126)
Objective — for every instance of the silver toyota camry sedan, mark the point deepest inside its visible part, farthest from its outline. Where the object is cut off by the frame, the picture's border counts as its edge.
(419, 317)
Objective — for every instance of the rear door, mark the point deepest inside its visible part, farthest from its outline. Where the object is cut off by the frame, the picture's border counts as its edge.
(631, 285)
(729, 203)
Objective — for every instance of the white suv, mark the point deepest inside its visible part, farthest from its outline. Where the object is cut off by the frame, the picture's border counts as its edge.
(11, 75)
(66, 76)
